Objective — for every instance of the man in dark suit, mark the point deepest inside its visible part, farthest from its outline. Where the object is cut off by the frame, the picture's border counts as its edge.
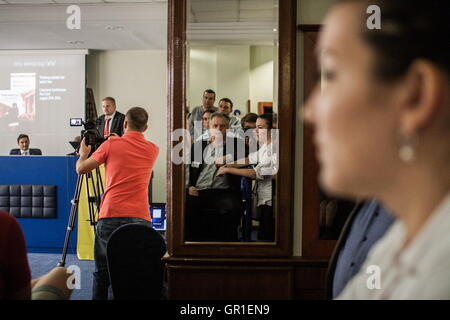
(366, 224)
(23, 141)
(111, 122)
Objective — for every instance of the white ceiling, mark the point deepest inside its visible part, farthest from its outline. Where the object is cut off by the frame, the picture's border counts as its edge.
(208, 11)
(131, 24)
(233, 21)
(43, 26)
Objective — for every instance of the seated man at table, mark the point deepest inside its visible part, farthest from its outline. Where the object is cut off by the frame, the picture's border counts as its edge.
(23, 141)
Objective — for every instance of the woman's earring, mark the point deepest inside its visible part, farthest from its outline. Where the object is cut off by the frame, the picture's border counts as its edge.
(407, 153)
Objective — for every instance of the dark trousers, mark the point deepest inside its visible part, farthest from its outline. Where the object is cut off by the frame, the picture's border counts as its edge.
(101, 276)
(266, 231)
(213, 216)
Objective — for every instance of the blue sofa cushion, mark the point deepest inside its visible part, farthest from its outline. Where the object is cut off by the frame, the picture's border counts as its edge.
(28, 201)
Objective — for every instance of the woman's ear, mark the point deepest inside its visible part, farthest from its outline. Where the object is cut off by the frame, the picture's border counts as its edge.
(423, 91)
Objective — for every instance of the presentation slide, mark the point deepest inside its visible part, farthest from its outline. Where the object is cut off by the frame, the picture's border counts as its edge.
(39, 92)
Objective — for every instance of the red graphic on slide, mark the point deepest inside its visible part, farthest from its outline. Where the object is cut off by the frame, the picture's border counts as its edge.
(30, 105)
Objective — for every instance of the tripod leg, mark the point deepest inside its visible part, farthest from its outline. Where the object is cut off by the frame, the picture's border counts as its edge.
(94, 197)
(71, 222)
(98, 189)
(91, 199)
(74, 208)
(99, 181)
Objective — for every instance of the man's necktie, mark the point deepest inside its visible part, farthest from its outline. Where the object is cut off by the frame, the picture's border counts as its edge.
(25, 153)
(106, 130)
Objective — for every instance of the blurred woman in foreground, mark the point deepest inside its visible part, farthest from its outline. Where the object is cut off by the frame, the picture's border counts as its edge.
(382, 130)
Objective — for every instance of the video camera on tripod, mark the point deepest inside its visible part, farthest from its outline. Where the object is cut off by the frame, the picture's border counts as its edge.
(90, 132)
(94, 186)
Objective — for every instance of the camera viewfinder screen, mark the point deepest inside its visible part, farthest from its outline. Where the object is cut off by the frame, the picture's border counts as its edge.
(75, 122)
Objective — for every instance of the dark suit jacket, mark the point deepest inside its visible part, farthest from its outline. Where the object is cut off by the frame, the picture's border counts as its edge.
(366, 224)
(116, 125)
(337, 249)
(33, 152)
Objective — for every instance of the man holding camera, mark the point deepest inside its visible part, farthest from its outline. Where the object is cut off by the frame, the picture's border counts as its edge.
(129, 162)
(111, 122)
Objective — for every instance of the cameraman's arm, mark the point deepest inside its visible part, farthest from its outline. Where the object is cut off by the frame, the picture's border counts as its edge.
(85, 164)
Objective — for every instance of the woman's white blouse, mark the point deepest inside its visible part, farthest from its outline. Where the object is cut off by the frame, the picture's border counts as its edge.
(266, 166)
(419, 271)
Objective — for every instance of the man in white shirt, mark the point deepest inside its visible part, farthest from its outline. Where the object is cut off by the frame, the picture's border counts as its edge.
(23, 141)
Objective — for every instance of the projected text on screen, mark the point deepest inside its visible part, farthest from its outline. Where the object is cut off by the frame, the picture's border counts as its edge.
(39, 92)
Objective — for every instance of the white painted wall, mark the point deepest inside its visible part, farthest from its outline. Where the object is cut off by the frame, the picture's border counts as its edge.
(202, 73)
(238, 72)
(233, 74)
(135, 78)
(261, 75)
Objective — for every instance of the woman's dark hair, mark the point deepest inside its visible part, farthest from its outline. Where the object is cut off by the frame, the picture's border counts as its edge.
(268, 117)
(410, 30)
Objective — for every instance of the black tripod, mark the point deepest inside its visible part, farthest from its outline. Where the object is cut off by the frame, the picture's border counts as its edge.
(93, 199)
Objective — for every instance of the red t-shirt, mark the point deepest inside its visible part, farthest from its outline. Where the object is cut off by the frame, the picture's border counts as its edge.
(15, 272)
(129, 163)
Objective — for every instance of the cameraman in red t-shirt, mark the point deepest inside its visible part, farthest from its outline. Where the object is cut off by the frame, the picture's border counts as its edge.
(129, 163)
